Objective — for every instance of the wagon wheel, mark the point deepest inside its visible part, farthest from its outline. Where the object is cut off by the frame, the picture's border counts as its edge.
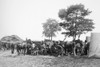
(78, 51)
(57, 50)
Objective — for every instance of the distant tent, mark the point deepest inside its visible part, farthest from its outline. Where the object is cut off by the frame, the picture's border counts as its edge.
(11, 39)
(94, 49)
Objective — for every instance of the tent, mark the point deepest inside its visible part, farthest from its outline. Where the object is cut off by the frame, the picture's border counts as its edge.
(94, 49)
(11, 39)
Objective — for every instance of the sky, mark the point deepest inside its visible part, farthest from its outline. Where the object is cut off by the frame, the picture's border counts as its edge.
(25, 17)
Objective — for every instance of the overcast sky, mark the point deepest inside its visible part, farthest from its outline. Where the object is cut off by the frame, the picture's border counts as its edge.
(25, 17)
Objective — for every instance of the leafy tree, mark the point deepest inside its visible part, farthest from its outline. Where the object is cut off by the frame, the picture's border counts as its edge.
(75, 21)
(50, 27)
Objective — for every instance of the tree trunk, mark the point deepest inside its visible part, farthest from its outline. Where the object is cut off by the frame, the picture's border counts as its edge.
(79, 36)
(74, 37)
(74, 52)
(51, 38)
(65, 38)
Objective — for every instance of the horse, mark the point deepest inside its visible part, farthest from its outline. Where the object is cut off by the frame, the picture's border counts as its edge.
(13, 46)
(21, 48)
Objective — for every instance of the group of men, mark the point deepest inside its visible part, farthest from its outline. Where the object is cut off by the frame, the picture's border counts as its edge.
(56, 48)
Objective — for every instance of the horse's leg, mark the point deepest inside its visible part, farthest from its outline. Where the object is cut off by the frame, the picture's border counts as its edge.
(18, 50)
(12, 49)
(66, 51)
(74, 51)
(24, 50)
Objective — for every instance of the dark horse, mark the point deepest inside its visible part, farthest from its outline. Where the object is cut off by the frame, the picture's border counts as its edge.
(21, 48)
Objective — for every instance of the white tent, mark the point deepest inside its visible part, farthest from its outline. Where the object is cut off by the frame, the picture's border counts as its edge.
(94, 49)
(11, 39)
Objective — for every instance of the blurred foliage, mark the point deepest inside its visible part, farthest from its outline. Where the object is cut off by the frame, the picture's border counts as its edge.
(75, 21)
(50, 27)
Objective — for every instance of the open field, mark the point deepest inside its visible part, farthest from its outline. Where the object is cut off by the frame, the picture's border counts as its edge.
(12, 60)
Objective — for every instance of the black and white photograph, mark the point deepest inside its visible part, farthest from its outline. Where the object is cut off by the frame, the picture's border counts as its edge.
(49, 33)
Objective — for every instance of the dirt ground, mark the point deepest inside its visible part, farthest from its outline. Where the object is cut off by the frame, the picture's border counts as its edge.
(13, 60)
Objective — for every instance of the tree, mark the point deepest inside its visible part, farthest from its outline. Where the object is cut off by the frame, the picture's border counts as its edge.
(75, 21)
(50, 27)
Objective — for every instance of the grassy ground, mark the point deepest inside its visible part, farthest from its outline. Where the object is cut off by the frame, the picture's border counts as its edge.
(12, 60)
